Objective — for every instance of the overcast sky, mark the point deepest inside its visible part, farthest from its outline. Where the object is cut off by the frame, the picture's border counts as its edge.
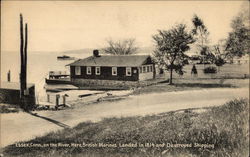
(66, 25)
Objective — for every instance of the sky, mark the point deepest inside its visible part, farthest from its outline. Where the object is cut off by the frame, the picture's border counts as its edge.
(72, 25)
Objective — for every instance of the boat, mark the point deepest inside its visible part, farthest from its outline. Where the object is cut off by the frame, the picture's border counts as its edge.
(65, 57)
(58, 77)
(57, 81)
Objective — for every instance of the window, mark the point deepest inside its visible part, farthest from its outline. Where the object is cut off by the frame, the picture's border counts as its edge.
(140, 68)
(147, 68)
(78, 70)
(144, 69)
(128, 71)
(88, 70)
(151, 68)
(97, 70)
(114, 70)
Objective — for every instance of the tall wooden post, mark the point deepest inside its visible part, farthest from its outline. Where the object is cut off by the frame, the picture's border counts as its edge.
(57, 101)
(22, 64)
(23, 59)
(25, 56)
(64, 100)
(48, 98)
(8, 76)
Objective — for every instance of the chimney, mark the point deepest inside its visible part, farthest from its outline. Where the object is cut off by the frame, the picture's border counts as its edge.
(96, 53)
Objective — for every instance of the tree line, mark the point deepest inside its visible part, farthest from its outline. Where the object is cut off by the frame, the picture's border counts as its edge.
(171, 45)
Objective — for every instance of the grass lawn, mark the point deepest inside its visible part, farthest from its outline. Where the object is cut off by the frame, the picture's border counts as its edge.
(215, 131)
(229, 76)
(181, 84)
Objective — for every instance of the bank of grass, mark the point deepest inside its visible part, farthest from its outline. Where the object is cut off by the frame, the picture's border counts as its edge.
(225, 126)
(181, 84)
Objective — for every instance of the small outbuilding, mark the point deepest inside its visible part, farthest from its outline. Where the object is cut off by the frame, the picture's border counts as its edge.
(10, 93)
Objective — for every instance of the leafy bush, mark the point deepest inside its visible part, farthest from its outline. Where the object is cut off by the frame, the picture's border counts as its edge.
(219, 61)
(210, 70)
(194, 70)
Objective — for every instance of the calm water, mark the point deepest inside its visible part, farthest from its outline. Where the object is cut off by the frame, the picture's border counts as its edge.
(39, 64)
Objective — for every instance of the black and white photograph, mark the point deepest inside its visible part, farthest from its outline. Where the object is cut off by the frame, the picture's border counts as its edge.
(124, 78)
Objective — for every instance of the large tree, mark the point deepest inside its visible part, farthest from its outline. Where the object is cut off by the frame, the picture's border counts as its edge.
(237, 43)
(121, 47)
(171, 46)
(201, 33)
(218, 55)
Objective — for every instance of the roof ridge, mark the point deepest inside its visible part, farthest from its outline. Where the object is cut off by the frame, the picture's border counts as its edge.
(115, 60)
(124, 55)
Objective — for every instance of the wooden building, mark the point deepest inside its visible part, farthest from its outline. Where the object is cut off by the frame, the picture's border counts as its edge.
(113, 67)
(10, 93)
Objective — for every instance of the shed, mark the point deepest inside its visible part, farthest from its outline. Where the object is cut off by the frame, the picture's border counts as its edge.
(10, 93)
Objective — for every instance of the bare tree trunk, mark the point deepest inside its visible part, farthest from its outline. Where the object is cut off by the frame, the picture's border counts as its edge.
(154, 72)
(171, 76)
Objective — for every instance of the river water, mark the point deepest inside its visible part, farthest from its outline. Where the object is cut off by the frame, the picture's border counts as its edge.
(39, 64)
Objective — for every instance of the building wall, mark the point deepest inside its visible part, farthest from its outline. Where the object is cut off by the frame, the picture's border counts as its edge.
(146, 76)
(9, 96)
(106, 74)
(106, 84)
(12, 96)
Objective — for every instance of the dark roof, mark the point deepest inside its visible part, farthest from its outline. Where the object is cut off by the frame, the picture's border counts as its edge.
(13, 85)
(112, 60)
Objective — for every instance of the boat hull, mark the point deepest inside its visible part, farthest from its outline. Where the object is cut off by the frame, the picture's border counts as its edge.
(57, 81)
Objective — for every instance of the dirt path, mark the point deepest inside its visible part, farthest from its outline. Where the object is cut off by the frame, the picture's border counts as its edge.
(23, 126)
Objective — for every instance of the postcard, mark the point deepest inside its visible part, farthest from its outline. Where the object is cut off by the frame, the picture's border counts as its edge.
(124, 78)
